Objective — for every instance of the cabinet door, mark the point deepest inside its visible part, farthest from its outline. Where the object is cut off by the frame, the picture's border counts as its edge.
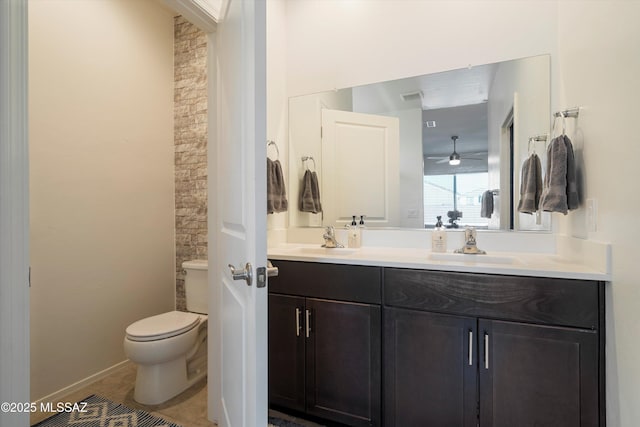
(286, 351)
(343, 362)
(430, 369)
(534, 375)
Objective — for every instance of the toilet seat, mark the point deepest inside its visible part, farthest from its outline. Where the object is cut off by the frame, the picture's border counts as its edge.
(162, 326)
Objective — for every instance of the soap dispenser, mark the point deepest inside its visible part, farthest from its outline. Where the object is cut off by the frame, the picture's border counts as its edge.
(439, 237)
(354, 234)
(361, 228)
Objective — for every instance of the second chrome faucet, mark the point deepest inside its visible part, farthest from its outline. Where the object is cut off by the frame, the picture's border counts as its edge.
(330, 238)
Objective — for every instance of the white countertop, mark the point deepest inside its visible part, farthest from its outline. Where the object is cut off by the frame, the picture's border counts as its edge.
(514, 263)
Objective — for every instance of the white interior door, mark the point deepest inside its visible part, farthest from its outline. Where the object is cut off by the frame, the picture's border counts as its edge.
(238, 218)
(360, 172)
(14, 212)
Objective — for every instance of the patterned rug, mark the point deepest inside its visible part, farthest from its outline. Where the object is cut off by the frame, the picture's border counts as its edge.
(279, 422)
(101, 412)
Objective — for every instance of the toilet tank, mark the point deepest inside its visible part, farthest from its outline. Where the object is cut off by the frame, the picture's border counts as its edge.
(196, 285)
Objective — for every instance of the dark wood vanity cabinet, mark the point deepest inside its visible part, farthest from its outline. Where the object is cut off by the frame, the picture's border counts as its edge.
(428, 380)
(325, 341)
(494, 351)
(458, 349)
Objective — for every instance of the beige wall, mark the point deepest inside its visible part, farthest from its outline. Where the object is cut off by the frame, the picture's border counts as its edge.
(594, 64)
(102, 200)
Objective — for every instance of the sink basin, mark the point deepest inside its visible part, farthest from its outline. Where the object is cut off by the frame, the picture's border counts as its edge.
(476, 259)
(325, 251)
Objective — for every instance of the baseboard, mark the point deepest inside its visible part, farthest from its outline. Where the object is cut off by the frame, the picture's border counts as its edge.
(56, 396)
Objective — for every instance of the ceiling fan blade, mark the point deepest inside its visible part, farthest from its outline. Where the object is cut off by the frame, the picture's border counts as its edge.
(436, 157)
(444, 160)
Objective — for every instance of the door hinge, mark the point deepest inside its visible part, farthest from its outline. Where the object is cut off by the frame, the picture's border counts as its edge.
(320, 131)
(29, 276)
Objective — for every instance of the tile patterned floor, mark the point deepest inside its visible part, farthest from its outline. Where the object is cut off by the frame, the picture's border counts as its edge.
(188, 409)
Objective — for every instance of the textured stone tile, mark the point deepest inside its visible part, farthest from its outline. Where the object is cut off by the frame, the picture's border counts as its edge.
(190, 136)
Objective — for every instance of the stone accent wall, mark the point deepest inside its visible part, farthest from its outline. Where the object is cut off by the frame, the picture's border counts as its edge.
(190, 137)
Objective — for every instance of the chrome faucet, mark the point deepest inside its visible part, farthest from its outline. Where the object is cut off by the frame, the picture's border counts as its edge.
(330, 238)
(470, 243)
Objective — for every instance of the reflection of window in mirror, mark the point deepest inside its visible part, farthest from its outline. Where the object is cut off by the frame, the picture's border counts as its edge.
(455, 192)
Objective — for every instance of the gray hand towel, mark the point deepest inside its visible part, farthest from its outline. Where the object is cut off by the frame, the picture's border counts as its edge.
(276, 193)
(486, 204)
(554, 195)
(531, 185)
(572, 185)
(310, 193)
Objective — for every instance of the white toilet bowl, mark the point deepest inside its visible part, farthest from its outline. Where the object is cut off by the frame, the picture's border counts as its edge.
(170, 351)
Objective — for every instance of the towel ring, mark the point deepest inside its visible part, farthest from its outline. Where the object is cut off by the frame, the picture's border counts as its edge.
(269, 143)
(305, 158)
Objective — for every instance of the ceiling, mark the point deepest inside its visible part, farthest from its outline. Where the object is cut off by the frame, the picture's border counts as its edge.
(456, 100)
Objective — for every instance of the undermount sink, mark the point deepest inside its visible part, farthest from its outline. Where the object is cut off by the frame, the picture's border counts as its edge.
(324, 251)
(476, 259)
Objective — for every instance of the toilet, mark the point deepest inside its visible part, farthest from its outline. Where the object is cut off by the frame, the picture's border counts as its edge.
(170, 349)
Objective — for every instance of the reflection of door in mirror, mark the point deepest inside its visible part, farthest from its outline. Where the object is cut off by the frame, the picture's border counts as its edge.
(360, 174)
(488, 93)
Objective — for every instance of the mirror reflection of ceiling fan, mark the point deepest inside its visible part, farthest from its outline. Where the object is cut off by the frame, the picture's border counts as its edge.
(454, 158)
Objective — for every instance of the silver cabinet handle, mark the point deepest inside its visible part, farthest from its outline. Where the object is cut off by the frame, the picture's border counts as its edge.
(298, 312)
(244, 274)
(308, 322)
(486, 350)
(470, 347)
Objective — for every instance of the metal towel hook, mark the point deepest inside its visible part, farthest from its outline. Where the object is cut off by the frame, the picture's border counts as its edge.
(535, 139)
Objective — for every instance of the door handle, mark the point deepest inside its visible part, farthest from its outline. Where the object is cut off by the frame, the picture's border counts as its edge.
(308, 322)
(470, 347)
(244, 274)
(272, 271)
(298, 326)
(486, 350)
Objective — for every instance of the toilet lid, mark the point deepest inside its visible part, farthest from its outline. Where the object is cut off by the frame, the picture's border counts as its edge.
(163, 325)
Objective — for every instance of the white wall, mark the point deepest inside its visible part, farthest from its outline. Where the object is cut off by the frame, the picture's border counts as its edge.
(411, 193)
(520, 87)
(101, 158)
(598, 46)
(337, 44)
(277, 117)
(594, 64)
(305, 119)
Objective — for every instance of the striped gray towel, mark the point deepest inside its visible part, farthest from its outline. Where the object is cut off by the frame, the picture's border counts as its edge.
(276, 193)
(310, 193)
(531, 185)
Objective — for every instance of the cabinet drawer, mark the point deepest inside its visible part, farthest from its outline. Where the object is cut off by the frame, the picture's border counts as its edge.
(527, 299)
(332, 281)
